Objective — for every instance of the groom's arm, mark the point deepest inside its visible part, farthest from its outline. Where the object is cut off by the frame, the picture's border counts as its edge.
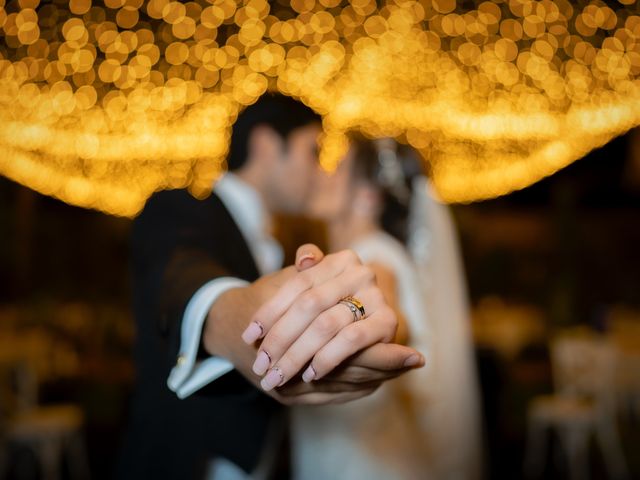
(175, 275)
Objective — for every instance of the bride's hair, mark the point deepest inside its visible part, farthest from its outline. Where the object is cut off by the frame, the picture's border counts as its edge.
(390, 167)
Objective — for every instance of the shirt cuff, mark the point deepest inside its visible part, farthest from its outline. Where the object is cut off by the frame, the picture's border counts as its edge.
(189, 374)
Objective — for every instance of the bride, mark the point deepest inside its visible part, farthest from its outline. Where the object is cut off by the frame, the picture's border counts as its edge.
(425, 424)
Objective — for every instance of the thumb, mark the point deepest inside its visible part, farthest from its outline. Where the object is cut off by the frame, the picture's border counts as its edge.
(307, 256)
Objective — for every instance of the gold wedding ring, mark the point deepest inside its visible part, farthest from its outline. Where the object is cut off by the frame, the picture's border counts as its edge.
(356, 307)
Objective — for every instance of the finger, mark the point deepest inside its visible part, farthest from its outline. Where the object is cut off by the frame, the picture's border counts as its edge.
(362, 375)
(324, 398)
(331, 266)
(379, 327)
(387, 356)
(308, 309)
(307, 256)
(318, 334)
(325, 386)
(267, 315)
(275, 360)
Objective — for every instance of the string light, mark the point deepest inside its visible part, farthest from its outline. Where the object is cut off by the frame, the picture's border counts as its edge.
(100, 105)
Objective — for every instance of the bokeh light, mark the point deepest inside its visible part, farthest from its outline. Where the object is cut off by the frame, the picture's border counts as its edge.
(102, 104)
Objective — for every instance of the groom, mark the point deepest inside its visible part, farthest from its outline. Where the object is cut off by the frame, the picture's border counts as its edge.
(201, 270)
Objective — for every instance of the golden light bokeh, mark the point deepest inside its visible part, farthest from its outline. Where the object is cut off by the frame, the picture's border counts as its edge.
(102, 104)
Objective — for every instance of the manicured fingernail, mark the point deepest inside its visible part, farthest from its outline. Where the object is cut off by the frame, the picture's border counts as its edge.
(253, 332)
(309, 374)
(414, 360)
(262, 363)
(272, 379)
(306, 260)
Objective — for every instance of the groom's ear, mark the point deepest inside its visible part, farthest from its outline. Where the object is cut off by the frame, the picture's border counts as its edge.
(307, 256)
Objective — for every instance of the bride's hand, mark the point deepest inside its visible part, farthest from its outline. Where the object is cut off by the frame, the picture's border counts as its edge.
(304, 325)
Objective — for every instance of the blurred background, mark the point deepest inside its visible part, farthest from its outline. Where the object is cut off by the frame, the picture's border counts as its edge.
(102, 103)
(557, 258)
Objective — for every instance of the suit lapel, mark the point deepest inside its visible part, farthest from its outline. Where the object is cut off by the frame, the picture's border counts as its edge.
(229, 238)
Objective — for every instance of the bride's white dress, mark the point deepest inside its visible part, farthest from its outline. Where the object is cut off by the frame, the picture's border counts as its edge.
(422, 425)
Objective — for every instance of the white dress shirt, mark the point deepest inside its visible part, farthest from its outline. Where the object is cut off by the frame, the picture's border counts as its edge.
(250, 215)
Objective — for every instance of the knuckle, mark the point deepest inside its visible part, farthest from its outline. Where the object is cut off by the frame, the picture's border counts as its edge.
(375, 296)
(375, 301)
(393, 319)
(347, 257)
(307, 279)
(352, 257)
(368, 275)
(354, 336)
(390, 321)
(326, 324)
(379, 295)
(303, 281)
(387, 315)
(310, 301)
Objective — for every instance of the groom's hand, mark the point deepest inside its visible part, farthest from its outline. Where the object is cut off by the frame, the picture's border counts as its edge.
(357, 377)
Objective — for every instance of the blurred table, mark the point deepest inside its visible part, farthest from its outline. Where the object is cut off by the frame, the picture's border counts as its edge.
(507, 328)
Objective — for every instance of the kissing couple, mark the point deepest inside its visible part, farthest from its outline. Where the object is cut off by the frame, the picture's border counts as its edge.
(243, 364)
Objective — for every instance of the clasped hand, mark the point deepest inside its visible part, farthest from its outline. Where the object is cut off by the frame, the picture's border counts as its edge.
(300, 344)
(306, 334)
(304, 325)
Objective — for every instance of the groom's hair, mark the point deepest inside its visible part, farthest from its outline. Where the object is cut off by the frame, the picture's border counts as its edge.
(281, 113)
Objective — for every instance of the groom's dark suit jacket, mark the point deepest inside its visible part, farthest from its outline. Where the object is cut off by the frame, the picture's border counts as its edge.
(179, 244)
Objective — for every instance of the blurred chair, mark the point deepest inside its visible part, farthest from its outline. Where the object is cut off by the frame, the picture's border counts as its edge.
(624, 333)
(52, 432)
(584, 405)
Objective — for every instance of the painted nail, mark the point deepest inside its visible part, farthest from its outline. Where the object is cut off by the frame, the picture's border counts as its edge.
(272, 379)
(414, 360)
(253, 332)
(309, 374)
(308, 258)
(262, 363)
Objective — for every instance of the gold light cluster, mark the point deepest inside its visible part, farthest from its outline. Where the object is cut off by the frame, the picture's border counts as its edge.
(102, 104)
